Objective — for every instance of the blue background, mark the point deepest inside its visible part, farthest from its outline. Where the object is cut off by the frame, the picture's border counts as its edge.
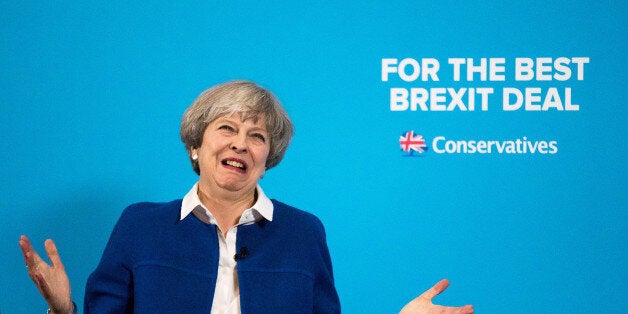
(92, 95)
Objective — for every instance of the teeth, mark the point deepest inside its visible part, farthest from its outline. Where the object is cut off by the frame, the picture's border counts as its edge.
(235, 164)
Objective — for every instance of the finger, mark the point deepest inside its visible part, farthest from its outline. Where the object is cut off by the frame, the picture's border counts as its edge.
(25, 245)
(467, 309)
(53, 254)
(31, 258)
(435, 290)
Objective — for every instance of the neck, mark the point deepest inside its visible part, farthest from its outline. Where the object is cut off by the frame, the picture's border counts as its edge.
(226, 206)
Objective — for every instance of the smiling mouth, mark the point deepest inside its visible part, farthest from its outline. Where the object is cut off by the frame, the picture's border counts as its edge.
(235, 164)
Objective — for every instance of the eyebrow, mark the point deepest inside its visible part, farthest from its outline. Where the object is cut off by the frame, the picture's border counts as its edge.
(234, 121)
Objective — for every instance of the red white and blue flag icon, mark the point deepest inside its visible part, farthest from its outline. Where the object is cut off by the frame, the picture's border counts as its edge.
(409, 143)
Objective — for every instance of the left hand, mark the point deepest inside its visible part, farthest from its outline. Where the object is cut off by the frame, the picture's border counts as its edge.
(423, 303)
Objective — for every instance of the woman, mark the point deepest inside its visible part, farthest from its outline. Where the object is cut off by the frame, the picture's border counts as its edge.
(225, 247)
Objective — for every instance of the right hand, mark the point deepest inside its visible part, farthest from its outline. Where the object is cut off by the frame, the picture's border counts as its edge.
(51, 281)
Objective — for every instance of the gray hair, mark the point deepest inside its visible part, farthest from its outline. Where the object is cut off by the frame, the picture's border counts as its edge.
(237, 97)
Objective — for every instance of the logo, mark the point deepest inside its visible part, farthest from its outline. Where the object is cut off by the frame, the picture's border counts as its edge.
(411, 143)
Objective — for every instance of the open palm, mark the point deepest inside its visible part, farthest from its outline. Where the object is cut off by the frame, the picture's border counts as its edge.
(423, 303)
(51, 280)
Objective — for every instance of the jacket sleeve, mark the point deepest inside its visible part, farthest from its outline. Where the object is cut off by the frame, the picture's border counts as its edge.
(325, 295)
(109, 288)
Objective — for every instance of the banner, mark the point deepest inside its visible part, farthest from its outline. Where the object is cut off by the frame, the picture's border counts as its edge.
(480, 142)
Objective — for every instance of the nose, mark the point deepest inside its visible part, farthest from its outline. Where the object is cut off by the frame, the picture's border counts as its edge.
(239, 144)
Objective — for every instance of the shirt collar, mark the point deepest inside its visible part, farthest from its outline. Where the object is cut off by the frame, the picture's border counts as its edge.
(263, 207)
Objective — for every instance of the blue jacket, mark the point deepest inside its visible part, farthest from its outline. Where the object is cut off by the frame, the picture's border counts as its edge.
(156, 263)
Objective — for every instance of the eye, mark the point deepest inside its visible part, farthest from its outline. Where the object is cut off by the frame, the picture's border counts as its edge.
(259, 136)
(226, 128)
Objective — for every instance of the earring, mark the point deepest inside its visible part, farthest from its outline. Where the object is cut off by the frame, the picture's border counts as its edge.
(195, 157)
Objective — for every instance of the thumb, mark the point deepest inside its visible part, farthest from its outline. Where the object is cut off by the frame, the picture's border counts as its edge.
(435, 290)
(53, 254)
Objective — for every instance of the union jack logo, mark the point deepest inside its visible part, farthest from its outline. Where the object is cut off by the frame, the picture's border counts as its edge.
(412, 143)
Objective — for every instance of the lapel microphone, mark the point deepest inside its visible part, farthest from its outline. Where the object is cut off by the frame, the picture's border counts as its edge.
(244, 252)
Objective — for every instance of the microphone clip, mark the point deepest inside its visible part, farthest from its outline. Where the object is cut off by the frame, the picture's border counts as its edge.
(244, 252)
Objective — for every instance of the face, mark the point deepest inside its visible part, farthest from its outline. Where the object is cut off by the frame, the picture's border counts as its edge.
(233, 154)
